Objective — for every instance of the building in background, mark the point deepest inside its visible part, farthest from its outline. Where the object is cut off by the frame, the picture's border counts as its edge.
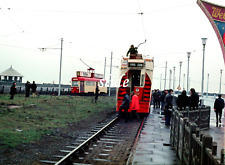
(11, 75)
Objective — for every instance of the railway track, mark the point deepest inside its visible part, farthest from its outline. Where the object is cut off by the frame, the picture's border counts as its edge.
(108, 143)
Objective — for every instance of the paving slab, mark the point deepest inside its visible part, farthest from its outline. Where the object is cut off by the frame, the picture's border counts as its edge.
(154, 143)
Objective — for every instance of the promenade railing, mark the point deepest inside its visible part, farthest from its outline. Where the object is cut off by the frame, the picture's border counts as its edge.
(188, 140)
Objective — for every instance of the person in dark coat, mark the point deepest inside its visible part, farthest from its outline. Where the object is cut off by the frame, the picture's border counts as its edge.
(13, 90)
(168, 107)
(194, 99)
(218, 107)
(163, 100)
(33, 89)
(27, 89)
(182, 100)
(124, 106)
(96, 93)
(132, 50)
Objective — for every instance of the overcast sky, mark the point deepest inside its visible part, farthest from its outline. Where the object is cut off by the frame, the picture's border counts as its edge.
(92, 29)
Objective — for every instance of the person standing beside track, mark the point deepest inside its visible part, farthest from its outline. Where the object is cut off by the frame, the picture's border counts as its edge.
(124, 106)
(168, 107)
(182, 100)
(134, 105)
(194, 99)
(218, 107)
(96, 93)
(13, 90)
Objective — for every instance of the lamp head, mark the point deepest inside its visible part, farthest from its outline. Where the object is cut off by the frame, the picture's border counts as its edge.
(204, 41)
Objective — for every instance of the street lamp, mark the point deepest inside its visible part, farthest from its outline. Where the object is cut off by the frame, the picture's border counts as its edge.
(180, 73)
(203, 43)
(170, 79)
(208, 86)
(221, 71)
(174, 68)
(188, 56)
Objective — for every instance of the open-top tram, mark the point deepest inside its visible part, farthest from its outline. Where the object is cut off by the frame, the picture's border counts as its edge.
(136, 75)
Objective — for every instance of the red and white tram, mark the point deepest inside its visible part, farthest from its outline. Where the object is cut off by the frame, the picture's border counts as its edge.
(86, 82)
(136, 75)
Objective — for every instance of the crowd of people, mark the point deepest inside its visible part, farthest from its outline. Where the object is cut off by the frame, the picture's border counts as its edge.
(164, 101)
(28, 87)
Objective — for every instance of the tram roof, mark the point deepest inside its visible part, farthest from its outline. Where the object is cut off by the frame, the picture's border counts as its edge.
(88, 79)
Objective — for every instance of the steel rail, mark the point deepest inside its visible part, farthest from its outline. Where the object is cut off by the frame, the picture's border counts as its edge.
(67, 158)
(135, 143)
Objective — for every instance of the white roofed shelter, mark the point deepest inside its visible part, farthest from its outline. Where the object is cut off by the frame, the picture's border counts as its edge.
(11, 75)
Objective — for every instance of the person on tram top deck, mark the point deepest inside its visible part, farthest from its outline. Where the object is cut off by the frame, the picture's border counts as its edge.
(132, 50)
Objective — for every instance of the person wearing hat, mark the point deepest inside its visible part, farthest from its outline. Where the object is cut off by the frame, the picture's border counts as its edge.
(13, 90)
(124, 106)
(132, 50)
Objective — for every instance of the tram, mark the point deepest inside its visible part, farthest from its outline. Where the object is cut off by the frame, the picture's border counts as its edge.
(86, 82)
(136, 75)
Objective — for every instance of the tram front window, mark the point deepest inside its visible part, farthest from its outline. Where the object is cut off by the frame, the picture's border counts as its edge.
(135, 79)
(74, 83)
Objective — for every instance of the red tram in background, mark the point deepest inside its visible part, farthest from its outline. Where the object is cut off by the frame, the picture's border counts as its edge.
(136, 75)
(86, 83)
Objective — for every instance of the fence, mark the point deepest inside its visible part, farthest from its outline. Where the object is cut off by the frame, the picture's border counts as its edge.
(190, 144)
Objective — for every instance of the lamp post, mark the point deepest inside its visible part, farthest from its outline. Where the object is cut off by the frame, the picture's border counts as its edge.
(184, 82)
(221, 71)
(203, 43)
(207, 86)
(180, 73)
(165, 76)
(188, 56)
(174, 79)
(170, 79)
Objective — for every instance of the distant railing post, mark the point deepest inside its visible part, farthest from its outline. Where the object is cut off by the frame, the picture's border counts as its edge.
(222, 156)
(192, 127)
(206, 143)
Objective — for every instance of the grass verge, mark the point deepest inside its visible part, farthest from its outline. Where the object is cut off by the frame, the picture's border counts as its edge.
(28, 123)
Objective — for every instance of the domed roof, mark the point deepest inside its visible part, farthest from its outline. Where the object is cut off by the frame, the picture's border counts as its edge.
(11, 72)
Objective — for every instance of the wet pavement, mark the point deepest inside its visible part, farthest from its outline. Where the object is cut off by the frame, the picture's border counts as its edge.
(154, 143)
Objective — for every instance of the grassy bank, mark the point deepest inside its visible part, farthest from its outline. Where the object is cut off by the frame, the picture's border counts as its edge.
(38, 116)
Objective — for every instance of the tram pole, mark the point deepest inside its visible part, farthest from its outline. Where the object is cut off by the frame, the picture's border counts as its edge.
(60, 67)
(110, 75)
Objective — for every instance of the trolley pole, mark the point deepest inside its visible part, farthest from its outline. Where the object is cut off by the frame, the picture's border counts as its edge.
(110, 75)
(60, 67)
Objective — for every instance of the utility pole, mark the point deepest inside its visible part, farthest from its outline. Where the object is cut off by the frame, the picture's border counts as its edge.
(60, 67)
(165, 76)
(104, 70)
(110, 75)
